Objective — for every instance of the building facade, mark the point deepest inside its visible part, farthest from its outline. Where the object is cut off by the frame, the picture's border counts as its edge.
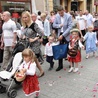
(47, 5)
(69, 5)
(40, 5)
(96, 5)
(15, 5)
(21, 5)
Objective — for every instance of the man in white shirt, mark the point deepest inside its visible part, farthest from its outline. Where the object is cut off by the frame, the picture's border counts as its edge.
(82, 22)
(8, 37)
(39, 22)
(89, 19)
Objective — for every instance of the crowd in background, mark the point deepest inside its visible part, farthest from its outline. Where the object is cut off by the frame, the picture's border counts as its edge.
(45, 29)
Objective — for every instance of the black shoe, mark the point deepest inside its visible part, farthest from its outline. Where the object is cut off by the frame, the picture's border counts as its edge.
(50, 68)
(36, 97)
(58, 69)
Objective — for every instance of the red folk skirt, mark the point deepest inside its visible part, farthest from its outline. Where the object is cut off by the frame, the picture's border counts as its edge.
(30, 85)
(75, 59)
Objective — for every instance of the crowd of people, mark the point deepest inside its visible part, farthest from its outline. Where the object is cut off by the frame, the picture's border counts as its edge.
(76, 29)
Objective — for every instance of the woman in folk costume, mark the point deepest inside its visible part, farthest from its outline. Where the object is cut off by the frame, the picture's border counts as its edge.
(30, 83)
(74, 50)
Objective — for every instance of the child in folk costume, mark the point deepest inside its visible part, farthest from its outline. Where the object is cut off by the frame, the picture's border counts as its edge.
(30, 83)
(74, 50)
(91, 41)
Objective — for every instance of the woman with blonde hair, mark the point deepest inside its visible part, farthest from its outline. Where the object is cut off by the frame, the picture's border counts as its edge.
(30, 31)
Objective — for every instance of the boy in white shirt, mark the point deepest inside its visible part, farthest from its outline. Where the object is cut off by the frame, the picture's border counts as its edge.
(49, 52)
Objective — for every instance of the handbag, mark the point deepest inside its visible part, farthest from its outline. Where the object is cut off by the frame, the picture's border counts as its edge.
(19, 77)
(45, 40)
(72, 52)
(60, 51)
(20, 74)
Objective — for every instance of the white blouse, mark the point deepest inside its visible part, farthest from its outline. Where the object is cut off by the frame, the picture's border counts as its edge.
(80, 44)
(31, 70)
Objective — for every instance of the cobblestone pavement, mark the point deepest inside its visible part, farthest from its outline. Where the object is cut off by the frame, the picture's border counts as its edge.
(83, 84)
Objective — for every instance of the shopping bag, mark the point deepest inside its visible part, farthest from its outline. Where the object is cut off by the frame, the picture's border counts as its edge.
(60, 51)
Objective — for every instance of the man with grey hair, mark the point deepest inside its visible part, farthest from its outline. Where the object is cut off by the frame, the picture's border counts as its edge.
(8, 37)
(40, 25)
(38, 22)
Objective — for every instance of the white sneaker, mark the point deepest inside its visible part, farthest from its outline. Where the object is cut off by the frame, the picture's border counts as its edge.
(76, 70)
(70, 70)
